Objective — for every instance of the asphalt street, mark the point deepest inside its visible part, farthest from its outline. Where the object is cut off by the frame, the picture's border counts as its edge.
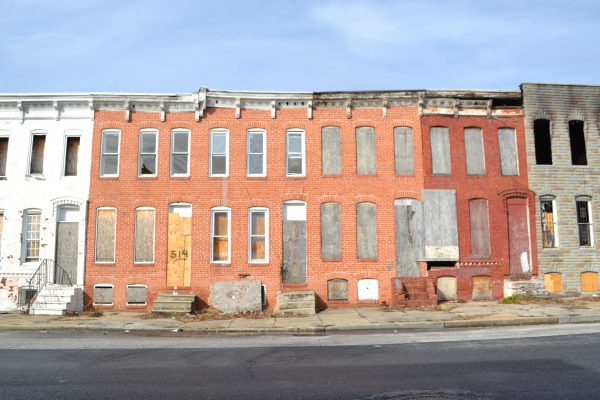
(549, 362)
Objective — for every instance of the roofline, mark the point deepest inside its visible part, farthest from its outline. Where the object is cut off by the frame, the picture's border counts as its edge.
(559, 84)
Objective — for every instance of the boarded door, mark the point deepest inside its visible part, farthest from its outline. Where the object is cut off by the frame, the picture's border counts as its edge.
(67, 238)
(406, 263)
(518, 237)
(482, 288)
(179, 246)
(589, 282)
(553, 283)
(446, 288)
(294, 243)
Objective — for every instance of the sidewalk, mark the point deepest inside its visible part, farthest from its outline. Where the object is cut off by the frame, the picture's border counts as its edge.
(449, 315)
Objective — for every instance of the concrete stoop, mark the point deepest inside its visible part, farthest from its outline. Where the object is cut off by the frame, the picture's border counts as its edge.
(302, 303)
(528, 287)
(57, 299)
(168, 303)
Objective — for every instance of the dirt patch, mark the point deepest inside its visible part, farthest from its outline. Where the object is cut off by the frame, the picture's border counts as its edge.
(84, 314)
(211, 314)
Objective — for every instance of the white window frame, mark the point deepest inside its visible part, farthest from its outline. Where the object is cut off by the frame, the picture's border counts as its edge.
(34, 134)
(5, 135)
(141, 154)
(210, 152)
(212, 234)
(96, 236)
(287, 152)
(249, 133)
(25, 235)
(67, 136)
(144, 208)
(104, 285)
(266, 235)
(187, 153)
(118, 153)
(590, 224)
(554, 220)
(136, 285)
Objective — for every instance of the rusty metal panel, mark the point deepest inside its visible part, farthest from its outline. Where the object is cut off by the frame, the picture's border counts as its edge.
(337, 289)
(440, 225)
(507, 140)
(480, 228)
(331, 240)
(403, 150)
(440, 150)
(518, 237)
(406, 264)
(67, 238)
(105, 235)
(144, 236)
(366, 230)
(474, 152)
(482, 288)
(366, 158)
(294, 252)
(331, 150)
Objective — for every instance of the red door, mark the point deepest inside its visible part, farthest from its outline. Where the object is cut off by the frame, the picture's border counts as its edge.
(518, 237)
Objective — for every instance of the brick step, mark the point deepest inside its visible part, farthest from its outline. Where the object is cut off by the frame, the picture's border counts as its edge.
(418, 296)
(416, 303)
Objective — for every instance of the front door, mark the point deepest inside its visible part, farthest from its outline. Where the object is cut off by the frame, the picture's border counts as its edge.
(518, 237)
(294, 243)
(406, 263)
(179, 246)
(67, 240)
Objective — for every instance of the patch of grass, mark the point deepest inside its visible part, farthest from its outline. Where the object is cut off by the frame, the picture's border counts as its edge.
(513, 299)
(91, 313)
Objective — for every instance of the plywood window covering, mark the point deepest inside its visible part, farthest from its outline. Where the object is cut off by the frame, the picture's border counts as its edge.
(549, 223)
(474, 153)
(180, 153)
(106, 221)
(480, 228)
(136, 295)
(366, 158)
(294, 161)
(509, 161)
(584, 221)
(403, 151)
(33, 220)
(38, 144)
(553, 282)
(337, 289)
(71, 156)
(258, 235)
(366, 231)
(331, 150)
(147, 153)
(219, 152)
(220, 235)
(103, 294)
(543, 142)
(331, 240)
(589, 282)
(256, 149)
(109, 157)
(3, 155)
(144, 235)
(439, 138)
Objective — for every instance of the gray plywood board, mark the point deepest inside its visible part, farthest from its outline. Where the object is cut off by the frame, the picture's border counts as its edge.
(294, 252)
(507, 141)
(440, 150)
(366, 158)
(331, 241)
(67, 234)
(440, 222)
(331, 150)
(406, 264)
(475, 158)
(403, 150)
(366, 230)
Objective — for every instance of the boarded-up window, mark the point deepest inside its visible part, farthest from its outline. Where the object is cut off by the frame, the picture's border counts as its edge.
(446, 288)
(365, 151)
(553, 282)
(480, 228)
(71, 156)
(136, 295)
(144, 235)
(103, 294)
(220, 235)
(403, 150)
(180, 153)
(219, 150)
(549, 224)
(440, 150)
(577, 140)
(331, 240)
(109, 157)
(589, 282)
(474, 151)
(482, 288)
(331, 151)
(509, 164)
(256, 148)
(543, 142)
(584, 220)
(3, 155)
(337, 289)
(106, 219)
(38, 144)
(366, 231)
(294, 159)
(259, 234)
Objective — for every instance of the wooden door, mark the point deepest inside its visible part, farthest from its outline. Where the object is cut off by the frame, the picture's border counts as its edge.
(518, 237)
(65, 261)
(179, 247)
(294, 243)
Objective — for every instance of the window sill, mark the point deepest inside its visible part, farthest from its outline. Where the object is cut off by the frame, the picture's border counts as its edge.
(220, 264)
(179, 176)
(39, 177)
(258, 263)
(104, 263)
(298, 177)
(143, 264)
(148, 177)
(257, 177)
(109, 177)
(218, 177)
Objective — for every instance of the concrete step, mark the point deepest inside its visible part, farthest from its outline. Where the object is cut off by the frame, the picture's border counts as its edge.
(52, 306)
(179, 298)
(174, 304)
(299, 311)
(297, 296)
(33, 311)
(296, 304)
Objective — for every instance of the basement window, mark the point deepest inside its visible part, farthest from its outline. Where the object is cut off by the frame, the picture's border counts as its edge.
(136, 295)
(71, 156)
(543, 142)
(36, 165)
(337, 289)
(103, 294)
(577, 139)
(3, 156)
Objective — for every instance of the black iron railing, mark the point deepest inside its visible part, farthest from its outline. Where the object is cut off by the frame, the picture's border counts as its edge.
(47, 272)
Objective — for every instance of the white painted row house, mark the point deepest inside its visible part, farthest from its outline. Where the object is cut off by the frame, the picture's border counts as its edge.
(45, 155)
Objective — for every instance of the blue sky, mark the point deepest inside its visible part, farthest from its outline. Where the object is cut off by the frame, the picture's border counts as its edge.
(179, 45)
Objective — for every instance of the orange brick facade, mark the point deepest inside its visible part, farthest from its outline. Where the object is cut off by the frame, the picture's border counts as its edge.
(239, 192)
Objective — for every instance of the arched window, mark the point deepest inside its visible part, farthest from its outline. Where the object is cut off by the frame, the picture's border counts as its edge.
(220, 235)
(549, 221)
(106, 234)
(144, 235)
(543, 142)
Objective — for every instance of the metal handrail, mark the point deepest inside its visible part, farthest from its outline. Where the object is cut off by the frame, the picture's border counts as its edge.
(47, 272)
